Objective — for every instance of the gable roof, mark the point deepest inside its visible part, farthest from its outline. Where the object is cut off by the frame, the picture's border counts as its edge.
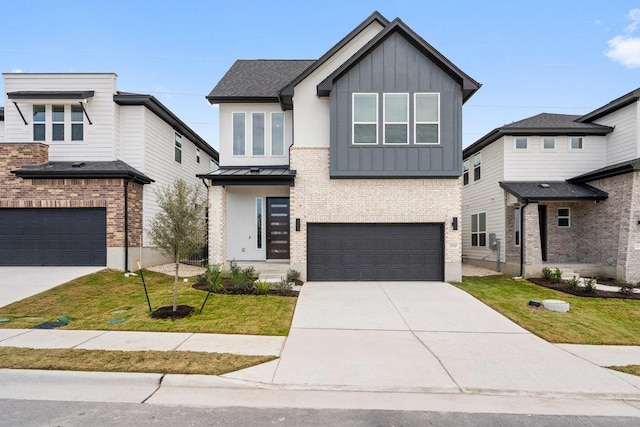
(469, 85)
(540, 124)
(552, 190)
(94, 170)
(612, 106)
(256, 80)
(149, 101)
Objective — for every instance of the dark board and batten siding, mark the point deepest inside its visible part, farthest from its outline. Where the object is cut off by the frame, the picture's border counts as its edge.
(396, 66)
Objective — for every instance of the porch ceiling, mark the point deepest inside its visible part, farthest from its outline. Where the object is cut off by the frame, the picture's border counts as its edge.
(534, 191)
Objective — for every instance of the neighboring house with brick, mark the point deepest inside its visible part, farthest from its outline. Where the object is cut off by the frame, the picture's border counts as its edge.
(79, 166)
(557, 190)
(346, 167)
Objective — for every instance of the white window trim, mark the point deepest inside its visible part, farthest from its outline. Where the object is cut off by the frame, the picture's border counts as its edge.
(473, 169)
(259, 242)
(284, 134)
(233, 113)
(177, 139)
(415, 121)
(570, 145)
(264, 136)
(48, 125)
(515, 143)
(385, 123)
(353, 119)
(486, 235)
(468, 171)
(567, 217)
(543, 148)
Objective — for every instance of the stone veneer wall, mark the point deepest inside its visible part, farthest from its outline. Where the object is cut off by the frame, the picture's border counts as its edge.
(16, 192)
(217, 224)
(316, 198)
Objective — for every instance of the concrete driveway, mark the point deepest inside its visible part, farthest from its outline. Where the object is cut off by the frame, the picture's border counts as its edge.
(429, 337)
(17, 283)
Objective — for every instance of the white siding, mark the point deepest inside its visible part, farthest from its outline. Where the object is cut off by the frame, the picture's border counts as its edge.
(536, 163)
(132, 135)
(311, 112)
(99, 137)
(485, 195)
(160, 165)
(1, 131)
(226, 135)
(622, 143)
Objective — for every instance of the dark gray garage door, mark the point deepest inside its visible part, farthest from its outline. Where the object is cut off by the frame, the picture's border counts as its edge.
(53, 237)
(375, 252)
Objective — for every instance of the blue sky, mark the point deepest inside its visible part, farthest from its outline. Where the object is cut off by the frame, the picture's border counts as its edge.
(562, 56)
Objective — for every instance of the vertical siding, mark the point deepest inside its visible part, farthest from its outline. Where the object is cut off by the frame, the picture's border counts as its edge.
(622, 143)
(160, 165)
(535, 163)
(99, 138)
(485, 195)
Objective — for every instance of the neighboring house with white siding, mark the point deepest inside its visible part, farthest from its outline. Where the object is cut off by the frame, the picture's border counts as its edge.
(557, 190)
(86, 159)
(346, 167)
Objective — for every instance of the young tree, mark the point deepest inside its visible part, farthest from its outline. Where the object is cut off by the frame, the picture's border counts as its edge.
(178, 228)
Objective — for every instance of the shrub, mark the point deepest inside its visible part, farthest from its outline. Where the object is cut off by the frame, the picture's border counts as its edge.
(292, 275)
(573, 282)
(590, 286)
(212, 278)
(627, 289)
(233, 267)
(243, 279)
(556, 276)
(547, 273)
(282, 286)
(262, 287)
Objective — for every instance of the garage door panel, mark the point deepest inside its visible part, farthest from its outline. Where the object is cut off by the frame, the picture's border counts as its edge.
(381, 251)
(53, 236)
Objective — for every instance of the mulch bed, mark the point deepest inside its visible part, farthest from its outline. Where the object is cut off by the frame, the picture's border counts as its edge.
(167, 312)
(579, 291)
(229, 289)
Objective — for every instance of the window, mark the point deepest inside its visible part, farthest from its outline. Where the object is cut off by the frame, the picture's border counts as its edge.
(77, 123)
(178, 148)
(465, 172)
(427, 118)
(39, 126)
(277, 134)
(365, 118)
(257, 136)
(521, 143)
(259, 223)
(576, 143)
(57, 120)
(479, 230)
(564, 217)
(516, 226)
(197, 155)
(396, 118)
(238, 134)
(477, 163)
(548, 143)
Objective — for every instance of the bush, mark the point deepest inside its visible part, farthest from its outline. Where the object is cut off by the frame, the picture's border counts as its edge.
(573, 282)
(243, 279)
(627, 289)
(262, 287)
(547, 273)
(282, 286)
(292, 275)
(212, 278)
(590, 286)
(556, 276)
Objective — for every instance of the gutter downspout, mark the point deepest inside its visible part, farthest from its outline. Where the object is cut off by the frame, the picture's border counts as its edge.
(522, 239)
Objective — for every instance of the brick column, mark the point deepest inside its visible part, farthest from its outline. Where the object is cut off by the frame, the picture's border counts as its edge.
(531, 237)
(217, 224)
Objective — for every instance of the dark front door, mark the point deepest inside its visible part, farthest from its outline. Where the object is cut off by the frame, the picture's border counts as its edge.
(277, 228)
(542, 220)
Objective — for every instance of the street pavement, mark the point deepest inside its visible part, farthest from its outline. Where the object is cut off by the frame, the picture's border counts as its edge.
(423, 346)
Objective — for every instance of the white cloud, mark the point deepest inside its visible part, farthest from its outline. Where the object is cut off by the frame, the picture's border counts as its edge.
(625, 49)
(17, 70)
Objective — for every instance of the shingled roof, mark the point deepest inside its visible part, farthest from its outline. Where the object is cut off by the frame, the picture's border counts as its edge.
(94, 170)
(540, 124)
(257, 80)
(552, 190)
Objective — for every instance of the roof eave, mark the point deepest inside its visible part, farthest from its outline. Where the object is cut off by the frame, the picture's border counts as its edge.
(612, 106)
(608, 173)
(39, 174)
(242, 99)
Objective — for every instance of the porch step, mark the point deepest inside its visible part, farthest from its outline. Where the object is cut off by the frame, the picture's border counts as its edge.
(568, 274)
(271, 278)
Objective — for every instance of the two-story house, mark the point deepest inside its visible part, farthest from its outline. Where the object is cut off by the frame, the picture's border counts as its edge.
(346, 167)
(557, 190)
(79, 165)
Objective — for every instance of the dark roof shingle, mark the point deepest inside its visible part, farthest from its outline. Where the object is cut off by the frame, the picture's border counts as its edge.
(552, 190)
(87, 169)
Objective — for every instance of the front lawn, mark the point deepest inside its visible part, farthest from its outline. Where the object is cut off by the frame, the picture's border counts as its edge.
(589, 321)
(90, 302)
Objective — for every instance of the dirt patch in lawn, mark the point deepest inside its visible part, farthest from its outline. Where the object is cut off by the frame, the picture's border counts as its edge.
(580, 291)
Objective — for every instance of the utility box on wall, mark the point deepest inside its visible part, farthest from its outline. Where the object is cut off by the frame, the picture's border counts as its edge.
(493, 242)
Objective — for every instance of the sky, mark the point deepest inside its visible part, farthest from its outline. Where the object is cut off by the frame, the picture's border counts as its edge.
(560, 56)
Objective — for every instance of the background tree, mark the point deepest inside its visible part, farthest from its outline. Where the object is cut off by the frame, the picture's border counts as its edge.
(178, 228)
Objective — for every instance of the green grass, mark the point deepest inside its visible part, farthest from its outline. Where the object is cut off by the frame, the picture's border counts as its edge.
(91, 301)
(160, 362)
(629, 369)
(589, 320)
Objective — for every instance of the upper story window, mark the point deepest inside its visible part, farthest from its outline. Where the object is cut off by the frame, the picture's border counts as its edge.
(178, 148)
(197, 155)
(239, 134)
(477, 165)
(575, 143)
(257, 134)
(365, 118)
(564, 217)
(58, 123)
(277, 134)
(465, 172)
(427, 118)
(548, 143)
(521, 143)
(396, 118)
